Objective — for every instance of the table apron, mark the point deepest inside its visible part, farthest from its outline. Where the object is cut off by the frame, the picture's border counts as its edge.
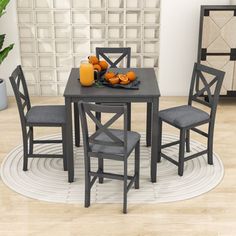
(114, 99)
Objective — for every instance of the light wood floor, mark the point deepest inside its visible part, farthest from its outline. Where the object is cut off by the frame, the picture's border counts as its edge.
(213, 213)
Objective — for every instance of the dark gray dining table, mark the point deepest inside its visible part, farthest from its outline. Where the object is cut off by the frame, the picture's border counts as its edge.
(148, 92)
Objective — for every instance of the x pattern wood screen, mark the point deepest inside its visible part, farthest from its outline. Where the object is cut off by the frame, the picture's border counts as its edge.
(218, 43)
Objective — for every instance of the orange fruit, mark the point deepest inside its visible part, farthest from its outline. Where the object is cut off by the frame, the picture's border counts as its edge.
(109, 75)
(97, 67)
(114, 80)
(131, 75)
(93, 60)
(103, 64)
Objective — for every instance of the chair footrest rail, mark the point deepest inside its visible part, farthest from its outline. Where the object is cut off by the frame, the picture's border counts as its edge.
(185, 159)
(100, 174)
(45, 156)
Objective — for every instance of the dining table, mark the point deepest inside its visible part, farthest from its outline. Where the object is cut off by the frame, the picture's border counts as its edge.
(148, 92)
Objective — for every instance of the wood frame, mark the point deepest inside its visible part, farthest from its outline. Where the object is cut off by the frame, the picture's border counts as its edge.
(148, 93)
(117, 111)
(184, 138)
(23, 103)
(230, 93)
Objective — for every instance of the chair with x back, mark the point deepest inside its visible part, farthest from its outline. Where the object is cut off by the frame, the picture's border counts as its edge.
(123, 53)
(206, 82)
(108, 143)
(41, 116)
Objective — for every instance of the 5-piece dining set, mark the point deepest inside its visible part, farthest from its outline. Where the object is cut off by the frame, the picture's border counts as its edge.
(88, 104)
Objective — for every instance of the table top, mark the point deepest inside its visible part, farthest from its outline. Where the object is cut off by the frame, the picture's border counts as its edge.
(147, 88)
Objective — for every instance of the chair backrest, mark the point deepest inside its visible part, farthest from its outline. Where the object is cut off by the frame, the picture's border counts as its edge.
(206, 82)
(20, 89)
(87, 109)
(124, 53)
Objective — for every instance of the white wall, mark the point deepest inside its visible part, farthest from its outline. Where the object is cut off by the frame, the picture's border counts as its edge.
(8, 26)
(179, 43)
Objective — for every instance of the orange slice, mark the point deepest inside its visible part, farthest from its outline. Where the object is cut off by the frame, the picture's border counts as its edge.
(114, 80)
(123, 77)
(125, 82)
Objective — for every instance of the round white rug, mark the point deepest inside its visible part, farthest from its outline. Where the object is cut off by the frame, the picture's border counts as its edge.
(45, 180)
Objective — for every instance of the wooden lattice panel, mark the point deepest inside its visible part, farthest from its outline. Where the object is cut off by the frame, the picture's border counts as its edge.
(218, 42)
(55, 35)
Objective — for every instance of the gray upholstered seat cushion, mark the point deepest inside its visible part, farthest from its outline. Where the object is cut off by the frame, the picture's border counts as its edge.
(132, 139)
(184, 116)
(46, 115)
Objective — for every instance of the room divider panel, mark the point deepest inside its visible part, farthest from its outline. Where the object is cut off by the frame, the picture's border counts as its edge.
(55, 35)
(217, 43)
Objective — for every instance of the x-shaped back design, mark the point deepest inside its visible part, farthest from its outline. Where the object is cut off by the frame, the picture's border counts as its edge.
(113, 64)
(124, 52)
(206, 88)
(18, 86)
(104, 129)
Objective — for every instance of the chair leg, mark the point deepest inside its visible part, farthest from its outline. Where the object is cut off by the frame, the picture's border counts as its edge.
(188, 140)
(159, 141)
(210, 147)
(31, 139)
(64, 148)
(181, 152)
(87, 181)
(137, 165)
(129, 116)
(125, 187)
(100, 167)
(25, 152)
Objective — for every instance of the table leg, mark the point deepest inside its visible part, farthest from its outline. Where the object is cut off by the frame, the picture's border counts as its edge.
(69, 140)
(149, 124)
(129, 116)
(98, 116)
(76, 124)
(154, 139)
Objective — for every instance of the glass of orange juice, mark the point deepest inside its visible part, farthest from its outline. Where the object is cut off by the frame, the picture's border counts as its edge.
(86, 73)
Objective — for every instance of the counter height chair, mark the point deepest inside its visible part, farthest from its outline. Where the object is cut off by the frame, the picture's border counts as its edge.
(101, 53)
(107, 143)
(206, 82)
(41, 116)
(124, 53)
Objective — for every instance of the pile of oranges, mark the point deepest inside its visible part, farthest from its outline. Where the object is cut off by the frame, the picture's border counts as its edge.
(110, 76)
(123, 79)
(97, 65)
